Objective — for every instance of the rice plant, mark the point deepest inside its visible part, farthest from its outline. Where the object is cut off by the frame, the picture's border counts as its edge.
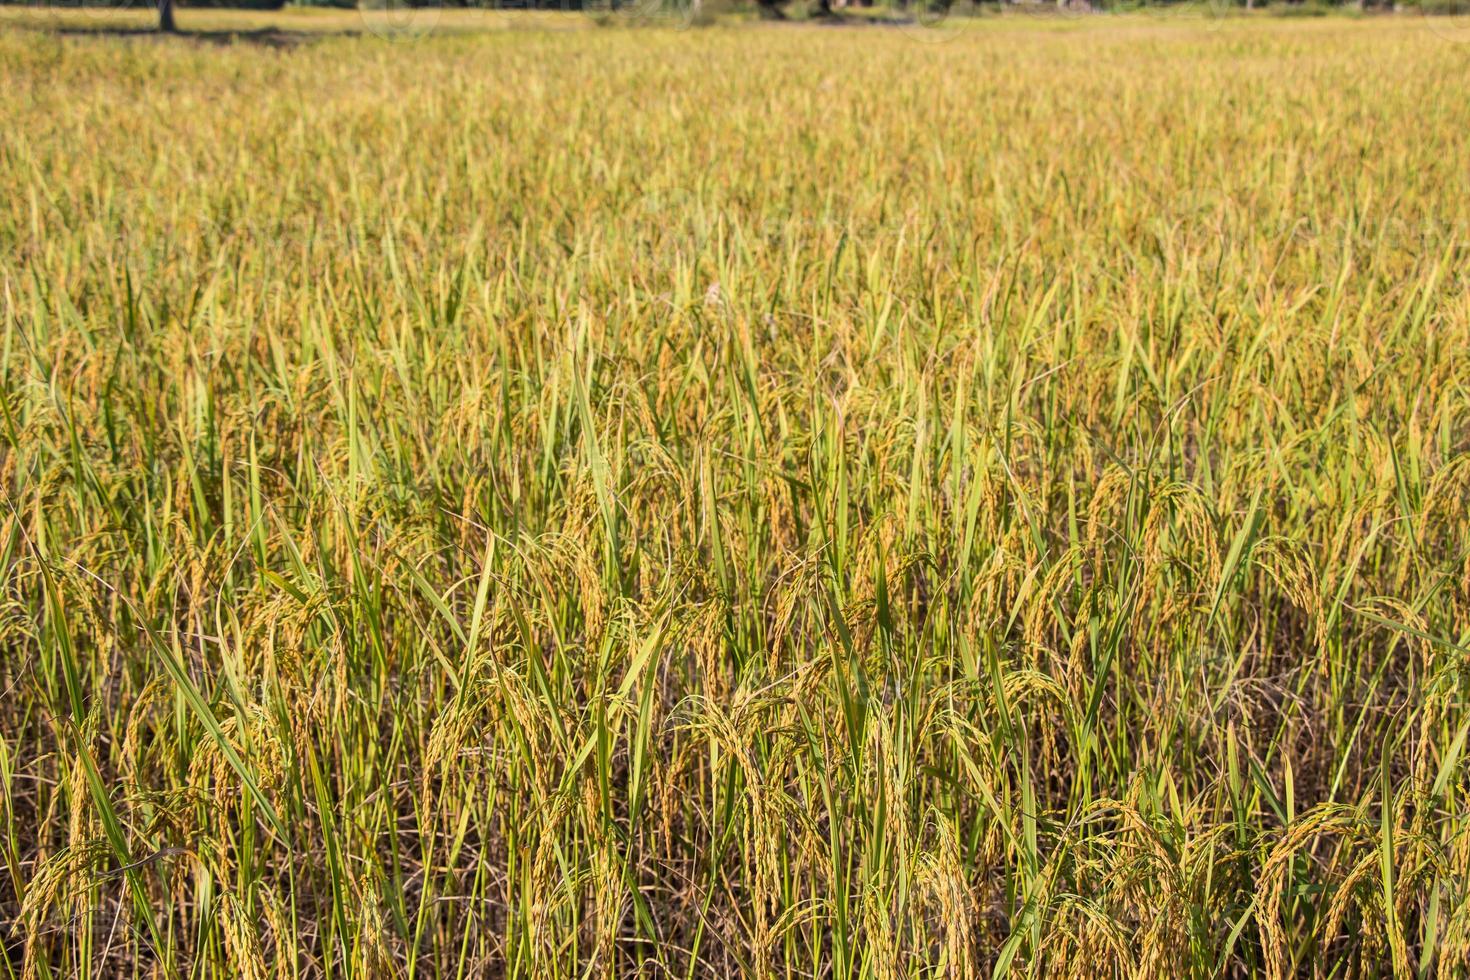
(772, 501)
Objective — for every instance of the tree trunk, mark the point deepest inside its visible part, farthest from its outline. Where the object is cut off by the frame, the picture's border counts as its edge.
(166, 16)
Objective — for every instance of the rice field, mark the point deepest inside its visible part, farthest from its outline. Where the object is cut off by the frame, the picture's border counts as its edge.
(553, 498)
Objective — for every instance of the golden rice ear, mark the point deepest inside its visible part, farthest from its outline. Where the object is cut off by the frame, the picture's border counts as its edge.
(374, 958)
(1110, 492)
(1332, 834)
(939, 877)
(242, 940)
(1289, 566)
